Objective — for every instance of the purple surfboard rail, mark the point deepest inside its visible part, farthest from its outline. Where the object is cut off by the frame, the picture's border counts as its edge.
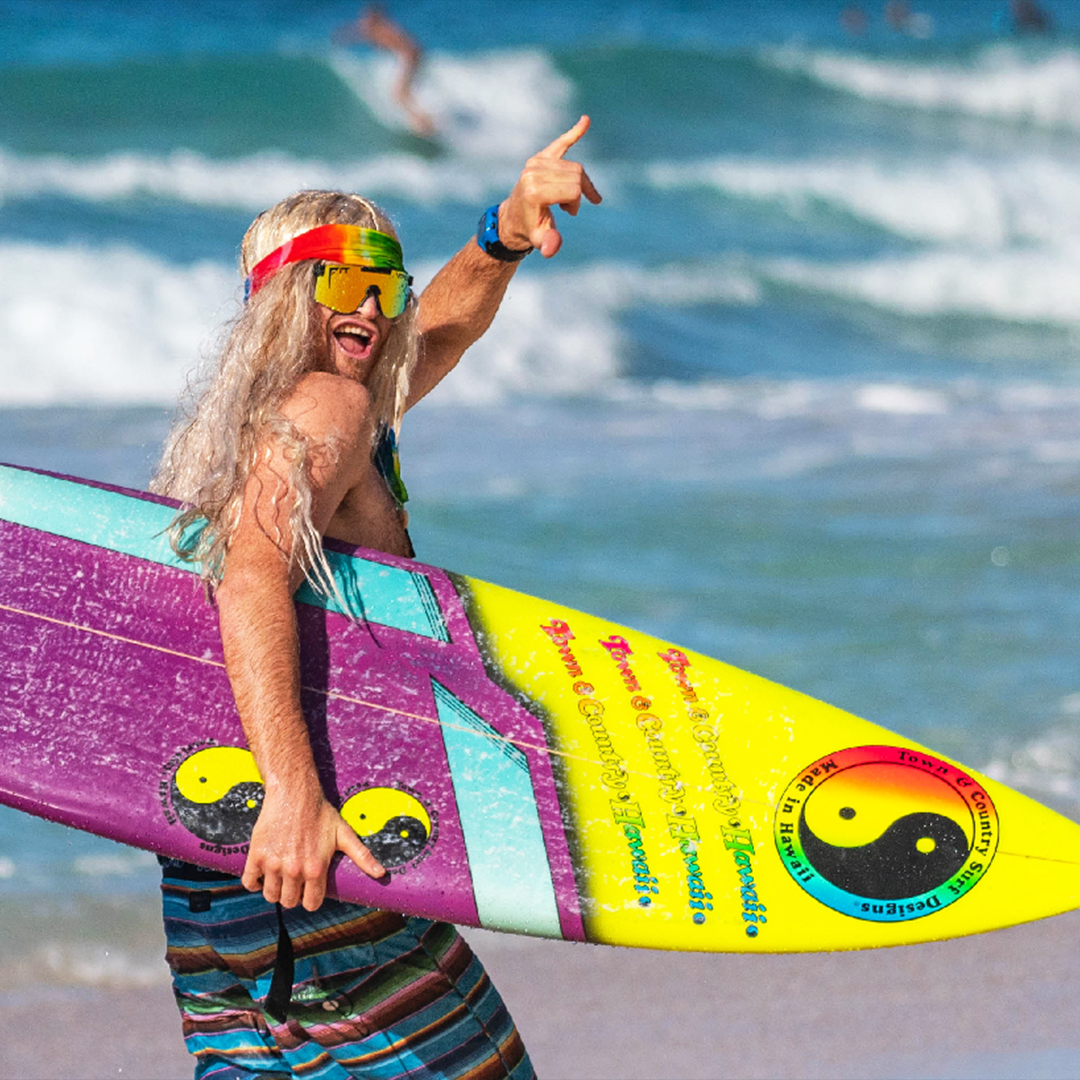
(111, 677)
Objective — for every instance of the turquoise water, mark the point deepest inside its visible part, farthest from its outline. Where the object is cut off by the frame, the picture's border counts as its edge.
(803, 393)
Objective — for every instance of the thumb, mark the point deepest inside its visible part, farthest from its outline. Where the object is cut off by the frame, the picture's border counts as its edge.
(550, 243)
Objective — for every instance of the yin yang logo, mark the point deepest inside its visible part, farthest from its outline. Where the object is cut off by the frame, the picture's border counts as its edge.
(217, 794)
(392, 823)
(885, 833)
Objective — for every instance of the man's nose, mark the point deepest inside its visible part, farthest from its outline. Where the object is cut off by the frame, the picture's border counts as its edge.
(370, 307)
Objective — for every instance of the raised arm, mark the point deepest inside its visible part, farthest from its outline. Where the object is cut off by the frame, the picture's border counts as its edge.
(459, 304)
(298, 831)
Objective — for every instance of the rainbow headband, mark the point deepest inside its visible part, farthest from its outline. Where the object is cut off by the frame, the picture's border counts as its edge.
(346, 244)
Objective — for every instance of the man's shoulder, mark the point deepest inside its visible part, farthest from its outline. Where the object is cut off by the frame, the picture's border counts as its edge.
(323, 401)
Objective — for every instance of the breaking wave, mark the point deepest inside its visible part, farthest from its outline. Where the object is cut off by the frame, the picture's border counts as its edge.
(1000, 82)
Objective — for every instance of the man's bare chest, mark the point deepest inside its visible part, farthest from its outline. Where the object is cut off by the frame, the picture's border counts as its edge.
(370, 516)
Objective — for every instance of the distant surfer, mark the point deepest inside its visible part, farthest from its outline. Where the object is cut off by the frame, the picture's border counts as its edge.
(293, 439)
(375, 27)
(853, 19)
(1029, 18)
(900, 17)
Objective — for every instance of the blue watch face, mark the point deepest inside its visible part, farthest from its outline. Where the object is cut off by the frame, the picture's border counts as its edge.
(487, 236)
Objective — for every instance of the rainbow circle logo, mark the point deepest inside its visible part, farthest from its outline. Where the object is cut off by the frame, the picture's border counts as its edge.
(885, 833)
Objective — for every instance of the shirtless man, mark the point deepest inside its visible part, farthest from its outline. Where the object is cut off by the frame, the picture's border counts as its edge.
(291, 441)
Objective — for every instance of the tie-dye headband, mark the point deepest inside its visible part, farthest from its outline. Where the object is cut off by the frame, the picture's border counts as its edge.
(347, 244)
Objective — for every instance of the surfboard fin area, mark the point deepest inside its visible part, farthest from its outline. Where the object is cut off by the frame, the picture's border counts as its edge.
(516, 764)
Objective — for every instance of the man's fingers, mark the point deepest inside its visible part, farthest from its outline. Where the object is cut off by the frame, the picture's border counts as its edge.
(589, 190)
(350, 844)
(292, 887)
(561, 183)
(564, 180)
(252, 878)
(314, 891)
(566, 140)
(271, 888)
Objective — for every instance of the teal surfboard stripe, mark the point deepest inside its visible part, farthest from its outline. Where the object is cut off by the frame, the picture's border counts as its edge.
(387, 595)
(91, 515)
(511, 879)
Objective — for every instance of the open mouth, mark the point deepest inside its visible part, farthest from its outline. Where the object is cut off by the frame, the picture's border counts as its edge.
(356, 341)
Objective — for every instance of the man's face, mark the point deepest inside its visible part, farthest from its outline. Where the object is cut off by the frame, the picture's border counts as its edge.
(355, 340)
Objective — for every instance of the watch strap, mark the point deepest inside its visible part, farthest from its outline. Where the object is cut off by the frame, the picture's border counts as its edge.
(487, 236)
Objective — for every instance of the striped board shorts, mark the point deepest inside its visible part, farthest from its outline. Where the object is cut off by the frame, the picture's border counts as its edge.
(345, 991)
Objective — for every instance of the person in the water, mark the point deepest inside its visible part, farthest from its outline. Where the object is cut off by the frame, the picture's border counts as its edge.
(374, 26)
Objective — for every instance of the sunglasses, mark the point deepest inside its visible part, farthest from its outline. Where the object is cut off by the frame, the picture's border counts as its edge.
(344, 289)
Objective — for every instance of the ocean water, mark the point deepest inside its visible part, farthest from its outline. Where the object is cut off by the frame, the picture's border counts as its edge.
(803, 393)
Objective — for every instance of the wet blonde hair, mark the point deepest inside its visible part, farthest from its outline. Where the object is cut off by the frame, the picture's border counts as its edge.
(234, 407)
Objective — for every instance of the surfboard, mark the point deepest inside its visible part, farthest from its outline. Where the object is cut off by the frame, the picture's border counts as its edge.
(516, 764)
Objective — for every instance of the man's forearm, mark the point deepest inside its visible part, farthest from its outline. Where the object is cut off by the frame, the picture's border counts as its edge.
(260, 641)
(455, 310)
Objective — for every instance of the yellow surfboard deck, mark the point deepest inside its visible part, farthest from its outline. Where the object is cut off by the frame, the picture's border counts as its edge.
(710, 809)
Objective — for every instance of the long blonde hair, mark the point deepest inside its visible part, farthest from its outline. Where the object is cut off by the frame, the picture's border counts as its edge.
(234, 407)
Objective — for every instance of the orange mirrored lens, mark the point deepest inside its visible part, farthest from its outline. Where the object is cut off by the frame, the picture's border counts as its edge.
(345, 288)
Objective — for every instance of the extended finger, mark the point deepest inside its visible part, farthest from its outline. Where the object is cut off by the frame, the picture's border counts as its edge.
(567, 139)
(350, 844)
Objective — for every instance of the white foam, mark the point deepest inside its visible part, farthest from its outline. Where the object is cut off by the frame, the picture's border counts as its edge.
(1020, 433)
(121, 864)
(901, 399)
(493, 111)
(1002, 82)
(250, 183)
(556, 333)
(103, 325)
(957, 200)
(1049, 764)
(1035, 286)
(1055, 451)
(1029, 396)
(88, 964)
(503, 104)
(7, 868)
(123, 326)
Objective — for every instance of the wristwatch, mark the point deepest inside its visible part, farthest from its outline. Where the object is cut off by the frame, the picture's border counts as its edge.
(487, 236)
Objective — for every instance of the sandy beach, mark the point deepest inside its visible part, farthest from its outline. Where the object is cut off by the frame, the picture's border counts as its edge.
(1005, 1004)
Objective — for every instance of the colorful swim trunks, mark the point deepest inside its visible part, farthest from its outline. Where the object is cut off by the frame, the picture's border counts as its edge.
(345, 991)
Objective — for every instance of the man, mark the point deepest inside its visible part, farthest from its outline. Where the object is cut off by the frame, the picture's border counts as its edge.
(293, 440)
